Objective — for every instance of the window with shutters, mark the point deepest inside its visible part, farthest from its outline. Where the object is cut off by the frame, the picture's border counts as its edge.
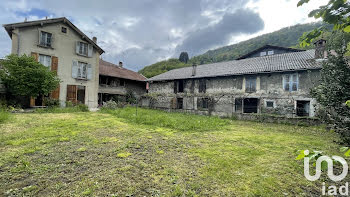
(202, 86)
(45, 39)
(83, 48)
(291, 82)
(82, 70)
(179, 86)
(45, 60)
(250, 84)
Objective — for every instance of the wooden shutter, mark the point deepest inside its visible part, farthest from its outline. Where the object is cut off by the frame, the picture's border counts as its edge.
(56, 93)
(35, 55)
(89, 72)
(90, 49)
(72, 93)
(175, 87)
(54, 64)
(173, 103)
(32, 102)
(75, 69)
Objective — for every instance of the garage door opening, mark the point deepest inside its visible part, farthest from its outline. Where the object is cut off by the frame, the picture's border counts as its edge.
(250, 105)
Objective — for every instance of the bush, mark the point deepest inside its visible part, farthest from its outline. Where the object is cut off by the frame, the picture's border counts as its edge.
(50, 102)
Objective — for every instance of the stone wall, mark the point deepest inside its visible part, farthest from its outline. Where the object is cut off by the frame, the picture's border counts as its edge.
(223, 92)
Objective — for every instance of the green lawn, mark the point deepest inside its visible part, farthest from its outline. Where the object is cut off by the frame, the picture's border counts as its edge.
(117, 153)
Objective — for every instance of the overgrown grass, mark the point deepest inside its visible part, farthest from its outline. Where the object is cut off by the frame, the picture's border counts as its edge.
(78, 108)
(4, 116)
(108, 154)
(178, 121)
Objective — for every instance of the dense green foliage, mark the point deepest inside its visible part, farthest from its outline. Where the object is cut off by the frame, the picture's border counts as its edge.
(24, 76)
(336, 13)
(179, 121)
(286, 37)
(334, 89)
(162, 67)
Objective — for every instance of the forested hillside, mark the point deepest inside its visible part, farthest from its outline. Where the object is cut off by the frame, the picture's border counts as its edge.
(286, 37)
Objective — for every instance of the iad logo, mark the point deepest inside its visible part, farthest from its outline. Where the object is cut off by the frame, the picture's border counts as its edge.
(319, 164)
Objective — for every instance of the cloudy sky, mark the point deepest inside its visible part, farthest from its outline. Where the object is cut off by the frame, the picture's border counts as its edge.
(142, 32)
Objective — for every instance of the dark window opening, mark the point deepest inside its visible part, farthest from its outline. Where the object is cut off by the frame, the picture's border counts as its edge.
(269, 104)
(81, 94)
(250, 84)
(238, 105)
(202, 86)
(122, 82)
(178, 86)
(303, 108)
(64, 30)
(39, 100)
(250, 105)
(179, 103)
(203, 103)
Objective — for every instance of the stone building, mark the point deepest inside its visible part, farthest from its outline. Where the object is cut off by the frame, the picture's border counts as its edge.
(270, 80)
(64, 49)
(118, 81)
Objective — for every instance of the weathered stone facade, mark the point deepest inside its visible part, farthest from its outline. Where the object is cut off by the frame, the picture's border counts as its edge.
(228, 95)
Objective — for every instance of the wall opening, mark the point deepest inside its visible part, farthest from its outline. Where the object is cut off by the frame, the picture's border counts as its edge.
(303, 108)
(250, 105)
(238, 105)
(179, 103)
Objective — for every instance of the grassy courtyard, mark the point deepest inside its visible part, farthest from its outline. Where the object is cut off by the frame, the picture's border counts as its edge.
(119, 153)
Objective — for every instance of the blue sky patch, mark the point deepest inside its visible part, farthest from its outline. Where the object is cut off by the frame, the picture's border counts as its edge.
(35, 12)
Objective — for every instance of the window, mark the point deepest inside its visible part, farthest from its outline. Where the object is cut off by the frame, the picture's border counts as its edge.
(178, 86)
(290, 82)
(122, 82)
(250, 84)
(303, 108)
(83, 48)
(82, 70)
(45, 60)
(250, 105)
(64, 30)
(263, 53)
(269, 104)
(238, 104)
(270, 52)
(45, 39)
(203, 103)
(202, 86)
(179, 103)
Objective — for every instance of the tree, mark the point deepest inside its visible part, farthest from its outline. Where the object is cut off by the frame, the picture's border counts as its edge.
(184, 57)
(336, 12)
(24, 76)
(334, 89)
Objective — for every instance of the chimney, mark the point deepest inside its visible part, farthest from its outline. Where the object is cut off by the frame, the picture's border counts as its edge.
(94, 39)
(320, 49)
(194, 69)
(120, 64)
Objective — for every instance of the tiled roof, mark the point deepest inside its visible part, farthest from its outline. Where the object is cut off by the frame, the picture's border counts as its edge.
(274, 63)
(112, 70)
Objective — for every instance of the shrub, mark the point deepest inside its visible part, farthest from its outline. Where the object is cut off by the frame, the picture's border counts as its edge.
(50, 102)
(110, 105)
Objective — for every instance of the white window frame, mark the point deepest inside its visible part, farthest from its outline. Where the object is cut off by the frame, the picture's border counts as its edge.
(291, 80)
(82, 70)
(45, 60)
(44, 39)
(262, 53)
(270, 52)
(82, 49)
